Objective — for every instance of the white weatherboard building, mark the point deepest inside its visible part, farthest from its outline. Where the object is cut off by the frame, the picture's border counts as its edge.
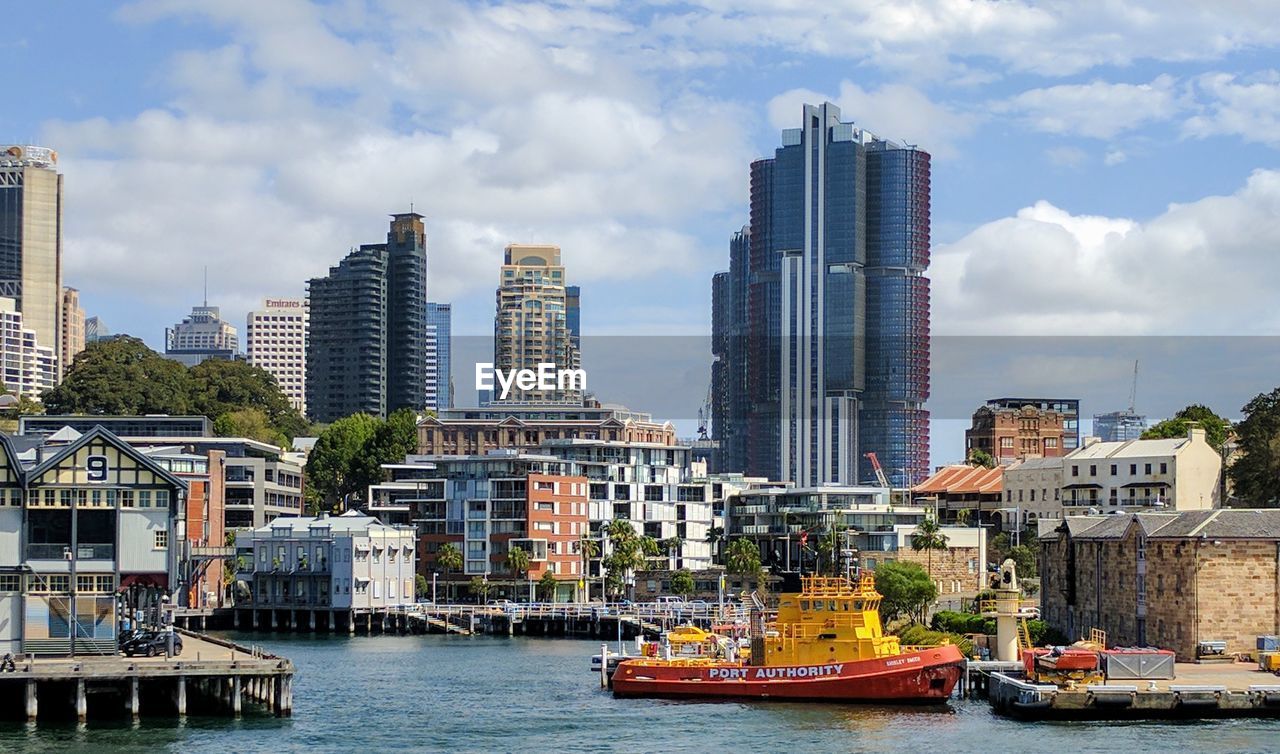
(276, 340)
(1177, 474)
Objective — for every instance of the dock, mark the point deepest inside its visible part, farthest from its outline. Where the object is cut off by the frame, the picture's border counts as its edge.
(1197, 691)
(210, 677)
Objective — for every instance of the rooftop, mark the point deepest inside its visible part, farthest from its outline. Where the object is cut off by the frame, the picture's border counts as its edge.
(1214, 524)
(958, 480)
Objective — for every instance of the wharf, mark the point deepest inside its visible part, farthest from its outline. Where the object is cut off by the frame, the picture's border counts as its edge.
(1198, 691)
(210, 677)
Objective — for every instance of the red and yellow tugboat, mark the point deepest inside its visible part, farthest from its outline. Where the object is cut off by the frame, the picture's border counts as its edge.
(827, 644)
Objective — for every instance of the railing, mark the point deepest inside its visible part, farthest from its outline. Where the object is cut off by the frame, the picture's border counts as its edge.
(80, 552)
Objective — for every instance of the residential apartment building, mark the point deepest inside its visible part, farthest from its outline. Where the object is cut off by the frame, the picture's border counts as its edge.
(1168, 580)
(1032, 491)
(532, 326)
(26, 367)
(439, 356)
(476, 431)
(367, 345)
(203, 334)
(200, 570)
(72, 324)
(1176, 474)
(824, 320)
(276, 340)
(1119, 426)
(347, 563)
(31, 241)
(1007, 434)
(89, 527)
(1068, 408)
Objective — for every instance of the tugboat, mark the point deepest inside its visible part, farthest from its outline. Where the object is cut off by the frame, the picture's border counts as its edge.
(827, 644)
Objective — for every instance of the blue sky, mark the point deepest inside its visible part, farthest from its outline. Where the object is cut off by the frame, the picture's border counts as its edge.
(265, 139)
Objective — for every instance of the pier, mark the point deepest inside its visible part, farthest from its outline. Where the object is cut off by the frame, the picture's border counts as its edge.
(210, 677)
(1198, 691)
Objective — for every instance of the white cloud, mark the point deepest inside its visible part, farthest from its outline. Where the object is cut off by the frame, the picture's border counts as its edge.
(1248, 107)
(1046, 271)
(1068, 157)
(1114, 157)
(1098, 109)
(894, 111)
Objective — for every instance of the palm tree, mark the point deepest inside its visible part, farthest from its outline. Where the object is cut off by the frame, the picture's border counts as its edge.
(449, 558)
(671, 548)
(589, 548)
(517, 561)
(928, 537)
(715, 538)
(743, 557)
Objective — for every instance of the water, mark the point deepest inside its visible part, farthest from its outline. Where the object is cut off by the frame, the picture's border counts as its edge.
(436, 693)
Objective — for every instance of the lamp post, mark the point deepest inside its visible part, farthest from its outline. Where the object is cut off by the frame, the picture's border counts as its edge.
(433, 587)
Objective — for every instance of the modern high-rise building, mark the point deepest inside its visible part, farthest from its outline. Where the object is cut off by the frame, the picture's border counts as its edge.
(834, 346)
(532, 323)
(31, 239)
(439, 356)
(203, 334)
(27, 368)
(367, 348)
(728, 369)
(573, 314)
(95, 329)
(1119, 426)
(73, 323)
(276, 341)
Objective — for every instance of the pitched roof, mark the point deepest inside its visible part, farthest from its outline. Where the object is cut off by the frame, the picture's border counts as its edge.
(1212, 524)
(954, 480)
(1129, 449)
(99, 432)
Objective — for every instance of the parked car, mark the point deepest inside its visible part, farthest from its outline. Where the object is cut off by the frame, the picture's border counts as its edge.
(151, 644)
(669, 600)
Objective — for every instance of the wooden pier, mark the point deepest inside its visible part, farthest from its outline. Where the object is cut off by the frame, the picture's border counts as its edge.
(1198, 691)
(210, 677)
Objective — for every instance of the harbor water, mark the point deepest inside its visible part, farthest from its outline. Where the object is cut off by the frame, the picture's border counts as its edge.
(437, 693)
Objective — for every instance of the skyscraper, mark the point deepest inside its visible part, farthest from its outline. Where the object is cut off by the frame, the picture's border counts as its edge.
(27, 368)
(367, 347)
(573, 314)
(203, 334)
(439, 356)
(276, 340)
(1119, 426)
(73, 323)
(826, 286)
(532, 324)
(31, 239)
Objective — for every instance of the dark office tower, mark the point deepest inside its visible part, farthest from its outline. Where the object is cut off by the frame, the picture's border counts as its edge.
(573, 314)
(367, 349)
(729, 404)
(836, 307)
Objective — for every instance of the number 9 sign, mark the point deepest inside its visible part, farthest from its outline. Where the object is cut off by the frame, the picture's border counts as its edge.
(96, 466)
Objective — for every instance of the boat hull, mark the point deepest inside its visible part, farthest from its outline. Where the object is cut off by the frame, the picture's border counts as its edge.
(926, 676)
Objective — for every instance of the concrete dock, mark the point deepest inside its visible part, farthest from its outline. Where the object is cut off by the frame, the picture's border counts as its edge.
(210, 677)
(1197, 691)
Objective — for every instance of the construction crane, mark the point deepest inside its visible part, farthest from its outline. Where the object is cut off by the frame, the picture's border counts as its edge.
(875, 465)
(1133, 390)
(704, 416)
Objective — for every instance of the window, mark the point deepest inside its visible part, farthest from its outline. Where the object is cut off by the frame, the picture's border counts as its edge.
(1006, 442)
(144, 498)
(1133, 469)
(1093, 470)
(1164, 468)
(1113, 469)
(1075, 470)
(1033, 495)
(1147, 469)
(162, 539)
(162, 498)
(10, 582)
(1051, 442)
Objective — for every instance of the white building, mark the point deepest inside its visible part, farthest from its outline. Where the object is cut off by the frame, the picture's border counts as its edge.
(1176, 474)
(1032, 490)
(203, 334)
(348, 562)
(26, 367)
(276, 340)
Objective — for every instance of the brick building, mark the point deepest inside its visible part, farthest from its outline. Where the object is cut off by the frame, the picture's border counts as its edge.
(476, 431)
(1164, 579)
(1008, 434)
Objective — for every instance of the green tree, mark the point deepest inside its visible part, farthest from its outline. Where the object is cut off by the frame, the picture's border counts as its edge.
(421, 589)
(670, 547)
(517, 561)
(907, 590)
(122, 377)
(682, 583)
(1215, 427)
(547, 586)
(221, 386)
(251, 423)
(928, 537)
(390, 442)
(742, 557)
(448, 560)
(480, 587)
(330, 478)
(715, 538)
(1256, 471)
(588, 548)
(980, 457)
(1024, 559)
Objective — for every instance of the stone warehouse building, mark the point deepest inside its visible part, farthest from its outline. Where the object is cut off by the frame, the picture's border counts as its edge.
(1164, 579)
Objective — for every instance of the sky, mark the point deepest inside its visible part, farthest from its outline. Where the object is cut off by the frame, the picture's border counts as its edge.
(1100, 168)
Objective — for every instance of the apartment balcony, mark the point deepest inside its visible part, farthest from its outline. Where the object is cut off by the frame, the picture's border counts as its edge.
(64, 552)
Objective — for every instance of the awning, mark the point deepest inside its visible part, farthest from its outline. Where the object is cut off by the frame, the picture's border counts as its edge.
(1083, 486)
(1146, 484)
(362, 579)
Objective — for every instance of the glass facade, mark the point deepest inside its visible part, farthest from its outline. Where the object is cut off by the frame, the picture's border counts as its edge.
(440, 345)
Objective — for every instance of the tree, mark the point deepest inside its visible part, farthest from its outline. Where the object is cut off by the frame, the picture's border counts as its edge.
(980, 457)
(480, 586)
(907, 590)
(682, 583)
(337, 450)
(743, 557)
(628, 553)
(671, 548)
(222, 386)
(390, 442)
(547, 586)
(251, 423)
(449, 558)
(1256, 472)
(421, 589)
(1215, 427)
(1024, 559)
(928, 537)
(588, 548)
(715, 538)
(517, 561)
(124, 377)
(828, 548)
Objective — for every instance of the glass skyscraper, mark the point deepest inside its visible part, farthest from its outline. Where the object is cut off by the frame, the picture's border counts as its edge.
(367, 348)
(439, 356)
(824, 316)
